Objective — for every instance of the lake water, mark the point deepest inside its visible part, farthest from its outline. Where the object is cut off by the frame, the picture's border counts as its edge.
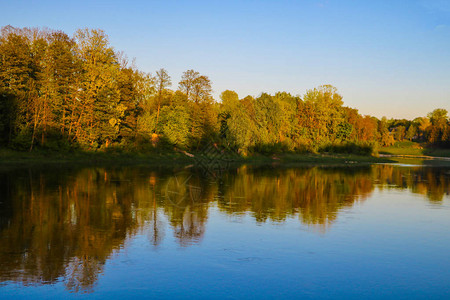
(380, 231)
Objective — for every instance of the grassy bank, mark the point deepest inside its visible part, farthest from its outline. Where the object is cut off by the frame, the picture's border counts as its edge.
(11, 158)
(414, 149)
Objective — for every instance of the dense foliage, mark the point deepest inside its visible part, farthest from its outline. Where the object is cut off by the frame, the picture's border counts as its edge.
(60, 92)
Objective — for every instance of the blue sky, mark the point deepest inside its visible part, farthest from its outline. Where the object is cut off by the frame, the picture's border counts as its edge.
(387, 58)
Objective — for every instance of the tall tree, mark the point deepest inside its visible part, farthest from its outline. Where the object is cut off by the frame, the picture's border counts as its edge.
(98, 122)
(16, 76)
(187, 82)
(162, 81)
(201, 90)
(65, 69)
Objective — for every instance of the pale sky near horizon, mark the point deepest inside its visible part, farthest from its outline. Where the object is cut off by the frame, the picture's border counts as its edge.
(387, 58)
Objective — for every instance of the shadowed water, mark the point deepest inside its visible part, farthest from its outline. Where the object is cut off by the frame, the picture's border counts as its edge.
(312, 232)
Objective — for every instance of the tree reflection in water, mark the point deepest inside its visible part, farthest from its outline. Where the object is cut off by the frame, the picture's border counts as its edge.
(64, 225)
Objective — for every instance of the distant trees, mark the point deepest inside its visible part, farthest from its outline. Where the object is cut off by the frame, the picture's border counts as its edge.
(439, 131)
(434, 129)
(60, 92)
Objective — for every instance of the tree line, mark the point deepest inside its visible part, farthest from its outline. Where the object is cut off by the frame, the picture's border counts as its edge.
(60, 92)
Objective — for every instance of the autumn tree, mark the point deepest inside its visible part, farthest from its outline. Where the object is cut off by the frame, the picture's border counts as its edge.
(162, 82)
(102, 115)
(146, 122)
(201, 89)
(58, 92)
(188, 79)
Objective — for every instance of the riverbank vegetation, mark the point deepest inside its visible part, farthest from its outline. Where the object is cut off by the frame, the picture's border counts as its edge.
(209, 162)
(77, 94)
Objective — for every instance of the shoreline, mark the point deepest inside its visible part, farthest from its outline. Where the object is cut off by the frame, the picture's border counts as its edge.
(12, 158)
(414, 156)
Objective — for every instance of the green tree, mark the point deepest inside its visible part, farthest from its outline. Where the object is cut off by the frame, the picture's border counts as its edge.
(16, 80)
(439, 131)
(175, 125)
(400, 132)
(321, 115)
(203, 113)
(411, 133)
(237, 126)
(438, 116)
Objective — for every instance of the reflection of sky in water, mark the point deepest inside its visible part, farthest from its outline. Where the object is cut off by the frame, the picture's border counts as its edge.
(393, 243)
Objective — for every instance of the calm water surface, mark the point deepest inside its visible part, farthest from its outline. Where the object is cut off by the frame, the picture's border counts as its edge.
(380, 231)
